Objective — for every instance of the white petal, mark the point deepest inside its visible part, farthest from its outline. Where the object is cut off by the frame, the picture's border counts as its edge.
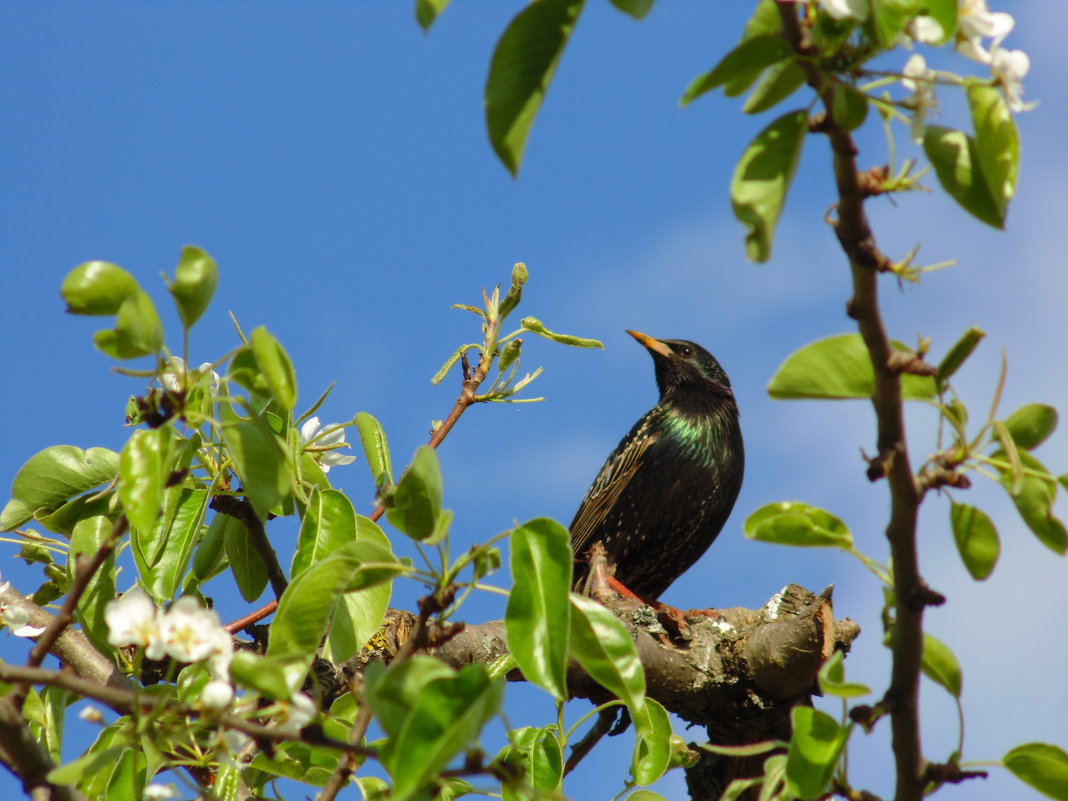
(309, 429)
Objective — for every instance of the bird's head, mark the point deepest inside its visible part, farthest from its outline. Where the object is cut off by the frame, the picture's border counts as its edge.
(684, 367)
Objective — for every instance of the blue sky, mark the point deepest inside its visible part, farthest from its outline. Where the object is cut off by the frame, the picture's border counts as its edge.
(332, 158)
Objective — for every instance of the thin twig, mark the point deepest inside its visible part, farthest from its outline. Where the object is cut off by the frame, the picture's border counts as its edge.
(857, 240)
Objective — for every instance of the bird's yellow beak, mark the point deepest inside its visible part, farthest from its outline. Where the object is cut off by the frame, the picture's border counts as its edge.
(654, 345)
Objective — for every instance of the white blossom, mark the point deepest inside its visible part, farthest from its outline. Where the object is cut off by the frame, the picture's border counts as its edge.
(178, 377)
(160, 792)
(17, 619)
(324, 442)
(134, 620)
(977, 22)
(917, 78)
(1010, 67)
(925, 29)
(298, 712)
(189, 630)
(217, 694)
(90, 714)
(846, 9)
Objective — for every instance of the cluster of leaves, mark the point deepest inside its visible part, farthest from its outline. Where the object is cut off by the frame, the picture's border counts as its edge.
(211, 461)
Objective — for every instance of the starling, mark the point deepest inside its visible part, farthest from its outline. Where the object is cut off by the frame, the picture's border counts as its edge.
(667, 489)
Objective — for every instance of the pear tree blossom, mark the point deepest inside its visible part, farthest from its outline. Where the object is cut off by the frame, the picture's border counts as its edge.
(133, 619)
(1010, 67)
(918, 79)
(846, 9)
(977, 22)
(160, 792)
(217, 695)
(322, 442)
(179, 377)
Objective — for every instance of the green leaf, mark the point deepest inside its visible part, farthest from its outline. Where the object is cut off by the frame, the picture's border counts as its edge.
(52, 477)
(976, 538)
(958, 166)
(836, 368)
(1041, 765)
(956, 356)
(328, 523)
(799, 524)
(941, 666)
(996, 143)
(275, 367)
(1031, 425)
(246, 564)
(849, 106)
(741, 66)
(97, 287)
(163, 556)
(538, 618)
(445, 718)
(415, 504)
(645, 795)
(889, 18)
(312, 599)
(92, 763)
(194, 283)
(210, 557)
(762, 178)
(652, 744)
(260, 462)
(426, 11)
(520, 274)
(536, 756)
(636, 8)
(535, 326)
(265, 675)
(606, 651)
(833, 682)
(144, 467)
(814, 749)
(375, 448)
(392, 693)
(524, 61)
(1034, 500)
(945, 11)
(88, 537)
(777, 84)
(137, 332)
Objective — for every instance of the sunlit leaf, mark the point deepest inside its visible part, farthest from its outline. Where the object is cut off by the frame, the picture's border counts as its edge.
(815, 746)
(52, 477)
(976, 538)
(833, 682)
(652, 744)
(958, 354)
(137, 332)
(606, 651)
(375, 448)
(737, 70)
(275, 367)
(414, 506)
(97, 287)
(1031, 425)
(941, 666)
(777, 84)
(194, 283)
(996, 142)
(144, 466)
(1041, 765)
(957, 164)
(796, 523)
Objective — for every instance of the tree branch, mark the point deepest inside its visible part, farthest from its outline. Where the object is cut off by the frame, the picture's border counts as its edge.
(857, 240)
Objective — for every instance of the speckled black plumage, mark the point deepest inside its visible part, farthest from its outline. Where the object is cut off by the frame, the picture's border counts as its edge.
(667, 489)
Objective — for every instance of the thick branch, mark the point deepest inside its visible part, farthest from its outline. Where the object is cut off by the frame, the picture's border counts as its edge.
(858, 242)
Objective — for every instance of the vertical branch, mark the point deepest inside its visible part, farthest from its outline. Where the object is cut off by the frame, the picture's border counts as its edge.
(892, 461)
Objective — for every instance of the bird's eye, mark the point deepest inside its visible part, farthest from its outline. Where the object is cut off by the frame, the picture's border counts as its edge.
(686, 351)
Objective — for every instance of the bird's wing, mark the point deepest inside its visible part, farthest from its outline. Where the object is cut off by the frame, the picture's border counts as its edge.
(606, 490)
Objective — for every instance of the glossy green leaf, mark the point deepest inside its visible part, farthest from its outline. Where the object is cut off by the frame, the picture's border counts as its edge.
(415, 504)
(88, 537)
(957, 164)
(941, 666)
(310, 603)
(163, 556)
(945, 12)
(144, 467)
(426, 11)
(645, 795)
(1031, 425)
(260, 462)
(275, 367)
(52, 477)
(1034, 501)
(45, 712)
(246, 564)
(210, 557)
(958, 354)
(976, 538)
(137, 332)
(636, 8)
(328, 523)
(97, 287)
(777, 84)
(833, 681)
(92, 763)
(536, 757)
(606, 651)
(737, 70)
(524, 61)
(889, 18)
(762, 178)
(63, 519)
(265, 675)
(796, 523)
(535, 326)
(445, 719)
(652, 744)
(538, 617)
(194, 283)
(815, 746)
(996, 143)
(1041, 765)
(849, 106)
(836, 368)
(392, 693)
(375, 448)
